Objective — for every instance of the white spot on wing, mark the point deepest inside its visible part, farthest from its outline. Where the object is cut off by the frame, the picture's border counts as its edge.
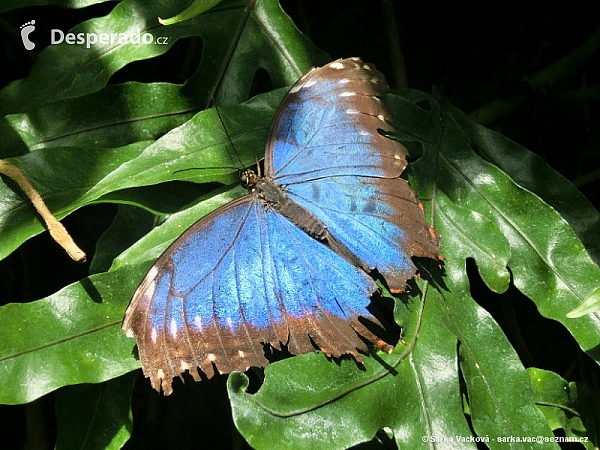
(185, 366)
(336, 65)
(300, 86)
(343, 81)
(352, 111)
(241, 353)
(154, 335)
(364, 133)
(230, 323)
(380, 117)
(397, 156)
(160, 373)
(152, 273)
(198, 322)
(129, 333)
(148, 286)
(173, 328)
(309, 83)
(347, 94)
(211, 357)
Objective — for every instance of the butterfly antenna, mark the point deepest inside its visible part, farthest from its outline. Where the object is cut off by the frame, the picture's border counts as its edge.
(240, 165)
(236, 154)
(258, 171)
(226, 61)
(232, 47)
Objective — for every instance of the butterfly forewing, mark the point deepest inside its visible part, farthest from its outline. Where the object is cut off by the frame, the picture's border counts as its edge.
(213, 303)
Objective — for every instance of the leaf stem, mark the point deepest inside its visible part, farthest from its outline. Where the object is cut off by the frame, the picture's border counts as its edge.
(56, 229)
(559, 406)
(393, 35)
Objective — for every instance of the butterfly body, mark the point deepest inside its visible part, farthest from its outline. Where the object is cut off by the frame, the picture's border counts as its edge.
(289, 263)
(274, 197)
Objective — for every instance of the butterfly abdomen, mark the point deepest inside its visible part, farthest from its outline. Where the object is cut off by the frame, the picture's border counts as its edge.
(276, 198)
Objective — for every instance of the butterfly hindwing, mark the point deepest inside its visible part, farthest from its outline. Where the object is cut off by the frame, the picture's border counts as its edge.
(328, 155)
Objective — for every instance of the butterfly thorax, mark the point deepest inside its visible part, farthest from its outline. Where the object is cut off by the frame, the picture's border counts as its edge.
(274, 196)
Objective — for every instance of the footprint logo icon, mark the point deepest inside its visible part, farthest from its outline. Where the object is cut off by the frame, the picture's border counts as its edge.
(26, 29)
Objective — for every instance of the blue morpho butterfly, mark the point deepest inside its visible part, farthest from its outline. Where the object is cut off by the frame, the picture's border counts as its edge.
(289, 263)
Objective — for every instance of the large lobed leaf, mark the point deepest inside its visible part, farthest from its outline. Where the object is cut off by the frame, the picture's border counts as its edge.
(481, 214)
(548, 262)
(310, 402)
(269, 40)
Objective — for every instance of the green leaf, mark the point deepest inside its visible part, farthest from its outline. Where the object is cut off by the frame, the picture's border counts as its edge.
(199, 150)
(590, 305)
(152, 109)
(73, 336)
(572, 407)
(498, 390)
(469, 234)
(94, 416)
(65, 70)
(529, 171)
(311, 402)
(269, 41)
(196, 8)
(556, 273)
(499, 394)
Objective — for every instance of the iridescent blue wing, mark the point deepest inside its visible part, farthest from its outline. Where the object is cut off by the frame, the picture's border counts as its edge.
(327, 154)
(240, 277)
